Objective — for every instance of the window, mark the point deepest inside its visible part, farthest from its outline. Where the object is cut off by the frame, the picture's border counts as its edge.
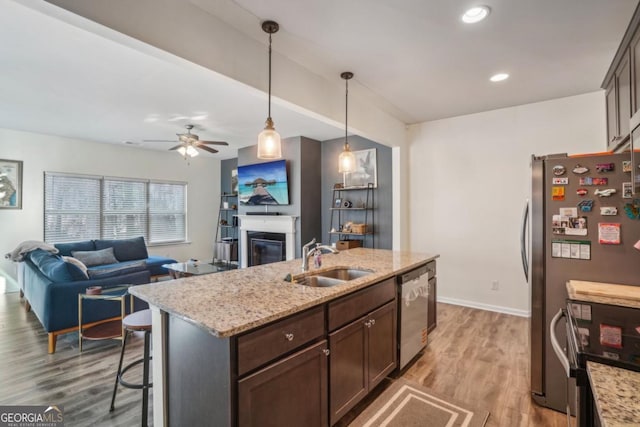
(82, 207)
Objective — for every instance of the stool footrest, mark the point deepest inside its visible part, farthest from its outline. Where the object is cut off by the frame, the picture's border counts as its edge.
(129, 385)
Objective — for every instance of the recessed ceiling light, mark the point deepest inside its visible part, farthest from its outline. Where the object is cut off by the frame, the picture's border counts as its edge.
(499, 77)
(475, 14)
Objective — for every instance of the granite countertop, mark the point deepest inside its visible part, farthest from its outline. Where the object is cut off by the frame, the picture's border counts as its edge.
(231, 302)
(604, 293)
(615, 391)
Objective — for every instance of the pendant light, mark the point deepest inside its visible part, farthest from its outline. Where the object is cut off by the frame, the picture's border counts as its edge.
(269, 139)
(346, 161)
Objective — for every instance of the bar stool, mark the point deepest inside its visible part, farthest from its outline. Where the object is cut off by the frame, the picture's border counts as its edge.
(137, 321)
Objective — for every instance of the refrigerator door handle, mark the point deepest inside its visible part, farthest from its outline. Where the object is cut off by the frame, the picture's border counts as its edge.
(557, 348)
(524, 253)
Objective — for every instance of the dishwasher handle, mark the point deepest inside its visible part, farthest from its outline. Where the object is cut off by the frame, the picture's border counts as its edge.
(557, 348)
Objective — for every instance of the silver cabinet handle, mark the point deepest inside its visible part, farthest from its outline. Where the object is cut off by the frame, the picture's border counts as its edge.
(326, 351)
(289, 337)
(367, 323)
(373, 322)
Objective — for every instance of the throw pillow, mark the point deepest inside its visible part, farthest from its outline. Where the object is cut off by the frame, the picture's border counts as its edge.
(119, 270)
(125, 249)
(91, 258)
(79, 264)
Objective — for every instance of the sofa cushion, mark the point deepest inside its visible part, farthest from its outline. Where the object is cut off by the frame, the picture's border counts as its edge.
(154, 265)
(100, 257)
(125, 249)
(75, 262)
(66, 248)
(52, 266)
(117, 270)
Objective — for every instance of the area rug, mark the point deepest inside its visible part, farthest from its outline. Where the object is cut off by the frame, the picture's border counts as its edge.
(406, 404)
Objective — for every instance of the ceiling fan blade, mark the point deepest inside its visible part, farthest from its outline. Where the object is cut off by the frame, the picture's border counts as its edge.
(158, 140)
(214, 142)
(176, 147)
(209, 149)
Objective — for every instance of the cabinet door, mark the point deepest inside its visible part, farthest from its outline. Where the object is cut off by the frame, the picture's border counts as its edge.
(290, 392)
(432, 314)
(382, 351)
(347, 370)
(623, 77)
(635, 72)
(612, 112)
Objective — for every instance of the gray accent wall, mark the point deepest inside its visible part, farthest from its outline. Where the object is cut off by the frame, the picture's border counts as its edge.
(304, 174)
(226, 166)
(331, 149)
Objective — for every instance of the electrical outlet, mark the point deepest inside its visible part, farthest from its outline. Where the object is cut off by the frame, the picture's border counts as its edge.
(495, 285)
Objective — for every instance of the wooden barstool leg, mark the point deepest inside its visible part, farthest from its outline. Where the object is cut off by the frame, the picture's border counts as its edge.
(115, 386)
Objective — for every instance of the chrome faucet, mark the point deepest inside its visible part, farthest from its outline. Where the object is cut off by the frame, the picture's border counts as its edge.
(308, 252)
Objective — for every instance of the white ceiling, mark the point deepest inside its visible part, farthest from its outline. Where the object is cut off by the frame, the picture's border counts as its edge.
(416, 58)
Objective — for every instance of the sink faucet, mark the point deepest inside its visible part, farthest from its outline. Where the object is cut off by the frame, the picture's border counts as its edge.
(308, 252)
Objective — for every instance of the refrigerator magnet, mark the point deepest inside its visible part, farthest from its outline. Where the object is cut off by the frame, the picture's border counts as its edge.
(559, 170)
(604, 167)
(608, 210)
(626, 166)
(580, 170)
(557, 193)
(627, 190)
(582, 192)
(610, 336)
(561, 180)
(611, 355)
(583, 333)
(585, 205)
(632, 209)
(606, 192)
(608, 233)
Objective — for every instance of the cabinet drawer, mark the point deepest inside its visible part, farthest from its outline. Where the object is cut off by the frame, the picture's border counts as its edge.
(360, 303)
(431, 269)
(265, 344)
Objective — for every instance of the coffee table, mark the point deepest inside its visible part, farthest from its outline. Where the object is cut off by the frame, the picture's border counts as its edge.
(185, 269)
(110, 328)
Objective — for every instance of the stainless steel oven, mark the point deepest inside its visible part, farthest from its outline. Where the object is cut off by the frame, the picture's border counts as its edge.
(601, 333)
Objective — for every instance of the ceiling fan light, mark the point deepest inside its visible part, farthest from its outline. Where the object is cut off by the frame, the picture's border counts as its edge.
(269, 146)
(346, 160)
(182, 151)
(191, 151)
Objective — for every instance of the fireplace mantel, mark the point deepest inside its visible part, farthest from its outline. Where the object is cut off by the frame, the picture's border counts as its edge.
(285, 224)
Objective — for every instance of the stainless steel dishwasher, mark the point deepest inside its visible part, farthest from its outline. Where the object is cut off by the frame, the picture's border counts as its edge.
(413, 300)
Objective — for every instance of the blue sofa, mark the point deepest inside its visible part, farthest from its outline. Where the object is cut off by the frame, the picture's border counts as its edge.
(52, 283)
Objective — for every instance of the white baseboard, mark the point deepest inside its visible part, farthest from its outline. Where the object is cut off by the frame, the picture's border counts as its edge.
(488, 307)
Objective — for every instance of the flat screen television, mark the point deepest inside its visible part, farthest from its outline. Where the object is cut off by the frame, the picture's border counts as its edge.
(263, 184)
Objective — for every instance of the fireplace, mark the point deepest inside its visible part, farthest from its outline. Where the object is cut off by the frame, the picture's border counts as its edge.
(284, 225)
(265, 248)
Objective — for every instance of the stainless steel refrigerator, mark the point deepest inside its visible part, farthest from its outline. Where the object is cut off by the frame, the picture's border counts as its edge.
(563, 247)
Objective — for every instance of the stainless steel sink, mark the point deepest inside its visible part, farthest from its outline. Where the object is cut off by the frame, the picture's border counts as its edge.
(331, 277)
(318, 281)
(344, 273)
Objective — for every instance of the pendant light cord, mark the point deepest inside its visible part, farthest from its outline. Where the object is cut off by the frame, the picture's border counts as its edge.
(346, 111)
(269, 115)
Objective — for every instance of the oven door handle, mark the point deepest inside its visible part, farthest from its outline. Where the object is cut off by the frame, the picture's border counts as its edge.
(557, 348)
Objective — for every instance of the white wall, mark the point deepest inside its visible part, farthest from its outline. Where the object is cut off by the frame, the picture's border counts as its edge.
(469, 179)
(42, 153)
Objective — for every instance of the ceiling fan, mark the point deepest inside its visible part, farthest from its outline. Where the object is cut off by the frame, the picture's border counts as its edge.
(190, 142)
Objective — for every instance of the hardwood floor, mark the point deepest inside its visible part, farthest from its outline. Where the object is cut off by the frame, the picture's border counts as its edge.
(477, 357)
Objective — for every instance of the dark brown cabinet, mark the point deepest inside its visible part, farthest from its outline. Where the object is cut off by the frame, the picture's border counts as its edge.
(362, 354)
(292, 391)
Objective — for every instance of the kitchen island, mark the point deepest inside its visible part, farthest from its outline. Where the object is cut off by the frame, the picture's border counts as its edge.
(220, 339)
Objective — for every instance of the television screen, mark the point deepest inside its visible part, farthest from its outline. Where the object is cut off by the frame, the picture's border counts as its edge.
(263, 184)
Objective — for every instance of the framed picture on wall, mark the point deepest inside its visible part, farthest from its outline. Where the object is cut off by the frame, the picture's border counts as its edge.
(234, 181)
(366, 170)
(10, 184)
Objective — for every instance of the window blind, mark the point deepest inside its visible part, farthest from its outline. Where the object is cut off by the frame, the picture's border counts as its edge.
(124, 208)
(71, 208)
(79, 207)
(167, 212)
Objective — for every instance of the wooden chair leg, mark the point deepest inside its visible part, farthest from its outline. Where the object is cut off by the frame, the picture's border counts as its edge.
(27, 306)
(52, 342)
